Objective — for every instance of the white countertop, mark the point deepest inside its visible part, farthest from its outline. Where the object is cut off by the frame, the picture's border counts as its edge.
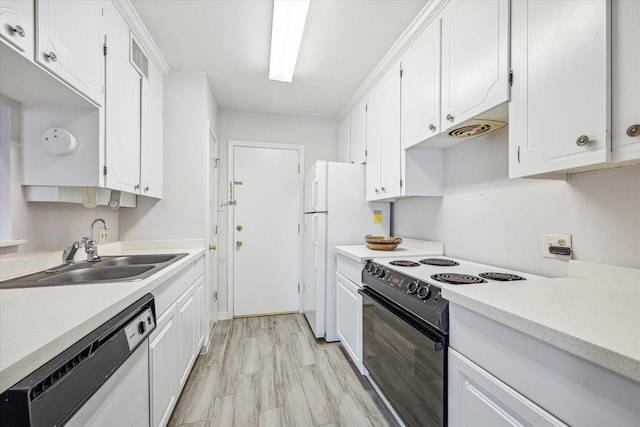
(38, 323)
(408, 247)
(593, 314)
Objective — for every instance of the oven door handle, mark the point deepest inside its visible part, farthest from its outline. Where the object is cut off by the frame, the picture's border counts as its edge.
(437, 340)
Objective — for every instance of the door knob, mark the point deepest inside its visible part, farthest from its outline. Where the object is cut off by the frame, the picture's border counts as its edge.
(239, 227)
(238, 243)
(212, 247)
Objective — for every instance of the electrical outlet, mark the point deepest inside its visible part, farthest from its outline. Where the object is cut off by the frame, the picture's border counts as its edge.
(103, 236)
(561, 244)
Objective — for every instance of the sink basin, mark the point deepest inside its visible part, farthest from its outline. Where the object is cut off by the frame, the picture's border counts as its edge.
(137, 260)
(97, 274)
(127, 268)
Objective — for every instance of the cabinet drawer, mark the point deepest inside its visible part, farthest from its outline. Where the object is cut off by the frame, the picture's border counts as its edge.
(350, 269)
(167, 293)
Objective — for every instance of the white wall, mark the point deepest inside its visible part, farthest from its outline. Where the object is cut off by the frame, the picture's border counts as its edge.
(45, 226)
(182, 212)
(484, 216)
(318, 136)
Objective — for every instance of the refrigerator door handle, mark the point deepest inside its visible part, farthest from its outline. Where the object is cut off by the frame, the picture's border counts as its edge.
(314, 240)
(314, 194)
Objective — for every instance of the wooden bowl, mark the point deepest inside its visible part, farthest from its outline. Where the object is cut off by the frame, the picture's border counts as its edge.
(382, 243)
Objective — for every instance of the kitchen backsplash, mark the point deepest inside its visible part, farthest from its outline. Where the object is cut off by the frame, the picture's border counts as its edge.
(485, 217)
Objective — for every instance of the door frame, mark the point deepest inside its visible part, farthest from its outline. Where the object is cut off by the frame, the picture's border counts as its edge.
(231, 145)
(213, 222)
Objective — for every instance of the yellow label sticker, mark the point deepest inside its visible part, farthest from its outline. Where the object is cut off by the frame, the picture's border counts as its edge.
(377, 216)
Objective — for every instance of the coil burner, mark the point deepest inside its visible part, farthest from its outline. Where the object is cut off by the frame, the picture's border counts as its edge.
(404, 263)
(457, 279)
(501, 277)
(441, 262)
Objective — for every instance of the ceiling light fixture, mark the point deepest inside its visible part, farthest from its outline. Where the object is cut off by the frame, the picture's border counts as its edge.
(289, 17)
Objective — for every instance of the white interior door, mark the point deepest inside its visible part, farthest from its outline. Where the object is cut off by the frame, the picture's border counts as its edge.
(264, 236)
(213, 228)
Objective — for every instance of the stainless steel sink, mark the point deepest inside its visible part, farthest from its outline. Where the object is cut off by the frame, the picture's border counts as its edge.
(97, 274)
(127, 268)
(137, 260)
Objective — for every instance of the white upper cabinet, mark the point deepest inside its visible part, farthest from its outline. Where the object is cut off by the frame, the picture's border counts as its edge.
(421, 87)
(625, 131)
(122, 107)
(358, 133)
(134, 96)
(70, 43)
(475, 58)
(559, 116)
(151, 150)
(383, 137)
(17, 25)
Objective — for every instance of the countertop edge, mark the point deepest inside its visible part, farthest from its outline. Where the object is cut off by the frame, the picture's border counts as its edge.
(621, 364)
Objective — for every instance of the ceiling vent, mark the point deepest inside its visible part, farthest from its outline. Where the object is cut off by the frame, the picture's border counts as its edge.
(473, 128)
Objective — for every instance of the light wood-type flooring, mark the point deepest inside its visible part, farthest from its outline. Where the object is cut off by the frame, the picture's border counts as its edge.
(270, 371)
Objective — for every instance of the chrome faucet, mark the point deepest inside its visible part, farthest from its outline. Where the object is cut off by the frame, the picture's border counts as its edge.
(90, 245)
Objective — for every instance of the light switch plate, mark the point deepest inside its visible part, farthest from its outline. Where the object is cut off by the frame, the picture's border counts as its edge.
(559, 240)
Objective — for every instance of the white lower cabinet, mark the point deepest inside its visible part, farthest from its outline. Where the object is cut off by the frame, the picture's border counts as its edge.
(187, 321)
(349, 308)
(477, 398)
(499, 376)
(176, 341)
(349, 318)
(163, 360)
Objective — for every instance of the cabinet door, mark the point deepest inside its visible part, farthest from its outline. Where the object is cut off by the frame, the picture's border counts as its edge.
(17, 25)
(201, 318)
(475, 32)
(349, 318)
(383, 136)
(625, 80)
(421, 87)
(358, 133)
(187, 309)
(70, 43)
(477, 398)
(151, 151)
(372, 166)
(559, 115)
(122, 108)
(163, 367)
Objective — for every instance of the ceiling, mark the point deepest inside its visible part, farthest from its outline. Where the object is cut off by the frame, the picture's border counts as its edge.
(230, 40)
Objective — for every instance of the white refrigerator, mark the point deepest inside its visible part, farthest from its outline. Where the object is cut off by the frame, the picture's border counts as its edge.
(335, 213)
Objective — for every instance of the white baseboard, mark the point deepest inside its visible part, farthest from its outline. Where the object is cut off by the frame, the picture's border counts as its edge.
(223, 315)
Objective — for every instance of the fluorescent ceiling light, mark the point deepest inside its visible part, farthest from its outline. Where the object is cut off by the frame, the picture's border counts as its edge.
(289, 17)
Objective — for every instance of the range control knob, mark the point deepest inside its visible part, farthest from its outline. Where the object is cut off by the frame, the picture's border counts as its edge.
(424, 292)
(412, 287)
(369, 268)
(142, 327)
(379, 272)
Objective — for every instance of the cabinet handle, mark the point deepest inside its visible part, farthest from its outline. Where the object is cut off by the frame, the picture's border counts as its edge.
(382, 189)
(449, 118)
(376, 190)
(146, 188)
(137, 187)
(582, 140)
(19, 30)
(634, 130)
(432, 128)
(238, 243)
(51, 56)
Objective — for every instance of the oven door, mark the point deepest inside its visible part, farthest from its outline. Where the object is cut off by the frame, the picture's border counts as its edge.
(406, 358)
